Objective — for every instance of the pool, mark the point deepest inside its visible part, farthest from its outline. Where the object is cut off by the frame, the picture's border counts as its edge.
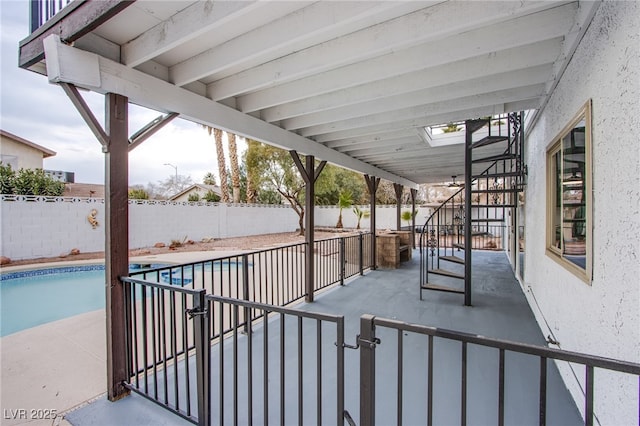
(31, 298)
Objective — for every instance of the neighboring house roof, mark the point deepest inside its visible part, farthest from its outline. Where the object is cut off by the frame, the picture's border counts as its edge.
(45, 151)
(84, 190)
(198, 187)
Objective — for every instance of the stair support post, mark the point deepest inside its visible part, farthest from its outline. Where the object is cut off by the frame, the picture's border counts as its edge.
(468, 157)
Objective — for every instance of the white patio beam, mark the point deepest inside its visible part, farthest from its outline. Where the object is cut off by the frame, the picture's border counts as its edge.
(395, 153)
(514, 33)
(190, 23)
(67, 64)
(496, 98)
(469, 88)
(374, 130)
(380, 137)
(500, 62)
(432, 23)
(412, 139)
(306, 27)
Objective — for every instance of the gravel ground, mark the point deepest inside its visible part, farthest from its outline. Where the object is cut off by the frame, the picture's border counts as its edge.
(226, 244)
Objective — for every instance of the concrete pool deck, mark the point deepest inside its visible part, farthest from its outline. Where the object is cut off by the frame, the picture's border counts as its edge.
(61, 365)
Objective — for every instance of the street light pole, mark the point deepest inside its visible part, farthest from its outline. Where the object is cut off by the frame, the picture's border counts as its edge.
(176, 169)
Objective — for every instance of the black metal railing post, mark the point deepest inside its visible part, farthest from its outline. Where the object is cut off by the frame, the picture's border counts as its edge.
(35, 13)
(367, 342)
(245, 290)
(343, 260)
(203, 360)
(361, 254)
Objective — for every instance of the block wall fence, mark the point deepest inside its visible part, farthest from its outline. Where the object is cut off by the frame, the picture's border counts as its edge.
(34, 227)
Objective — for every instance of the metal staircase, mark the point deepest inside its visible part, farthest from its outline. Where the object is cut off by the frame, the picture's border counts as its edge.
(449, 234)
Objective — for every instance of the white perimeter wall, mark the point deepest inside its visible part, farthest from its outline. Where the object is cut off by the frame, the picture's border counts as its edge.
(32, 229)
(602, 318)
(385, 216)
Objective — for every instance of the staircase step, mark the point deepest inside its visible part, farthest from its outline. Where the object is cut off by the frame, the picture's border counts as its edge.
(498, 175)
(488, 140)
(445, 273)
(438, 287)
(493, 158)
(497, 206)
(458, 245)
(454, 259)
(490, 220)
(495, 191)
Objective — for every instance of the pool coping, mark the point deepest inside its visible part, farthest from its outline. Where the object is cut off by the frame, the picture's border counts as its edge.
(169, 258)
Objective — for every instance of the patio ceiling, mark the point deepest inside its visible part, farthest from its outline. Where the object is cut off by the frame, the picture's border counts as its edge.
(353, 83)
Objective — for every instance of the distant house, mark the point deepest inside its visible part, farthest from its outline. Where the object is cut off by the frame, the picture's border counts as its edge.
(88, 190)
(200, 189)
(20, 153)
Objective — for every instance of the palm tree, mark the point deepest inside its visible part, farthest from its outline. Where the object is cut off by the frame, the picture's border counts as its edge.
(251, 161)
(222, 167)
(235, 170)
(360, 214)
(344, 202)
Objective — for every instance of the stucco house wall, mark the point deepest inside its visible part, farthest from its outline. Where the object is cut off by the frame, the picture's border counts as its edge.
(21, 153)
(603, 317)
(199, 189)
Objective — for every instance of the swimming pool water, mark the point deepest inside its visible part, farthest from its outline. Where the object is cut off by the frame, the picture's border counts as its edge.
(31, 298)
(28, 301)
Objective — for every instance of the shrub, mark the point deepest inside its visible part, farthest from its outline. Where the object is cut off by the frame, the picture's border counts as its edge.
(29, 182)
(7, 178)
(138, 194)
(211, 197)
(194, 197)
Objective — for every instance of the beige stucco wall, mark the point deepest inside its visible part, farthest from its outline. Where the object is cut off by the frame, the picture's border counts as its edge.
(26, 157)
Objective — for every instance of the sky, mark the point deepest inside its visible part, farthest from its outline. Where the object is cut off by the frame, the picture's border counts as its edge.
(41, 113)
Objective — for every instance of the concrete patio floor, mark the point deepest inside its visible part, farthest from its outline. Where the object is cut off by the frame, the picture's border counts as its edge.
(499, 310)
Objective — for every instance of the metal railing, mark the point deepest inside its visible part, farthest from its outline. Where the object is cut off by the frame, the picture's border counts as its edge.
(180, 341)
(40, 11)
(160, 339)
(372, 328)
(273, 276)
(286, 368)
(170, 326)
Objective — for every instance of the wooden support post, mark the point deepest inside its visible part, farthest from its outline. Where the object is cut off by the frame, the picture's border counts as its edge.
(309, 175)
(398, 190)
(117, 240)
(414, 192)
(372, 187)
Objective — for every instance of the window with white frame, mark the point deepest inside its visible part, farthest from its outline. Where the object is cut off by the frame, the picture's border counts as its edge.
(569, 195)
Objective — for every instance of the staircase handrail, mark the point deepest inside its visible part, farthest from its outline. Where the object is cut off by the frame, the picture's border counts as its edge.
(485, 171)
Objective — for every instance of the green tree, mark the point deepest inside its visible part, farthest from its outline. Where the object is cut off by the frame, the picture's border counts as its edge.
(209, 179)
(344, 202)
(138, 194)
(407, 216)
(335, 180)
(275, 170)
(451, 128)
